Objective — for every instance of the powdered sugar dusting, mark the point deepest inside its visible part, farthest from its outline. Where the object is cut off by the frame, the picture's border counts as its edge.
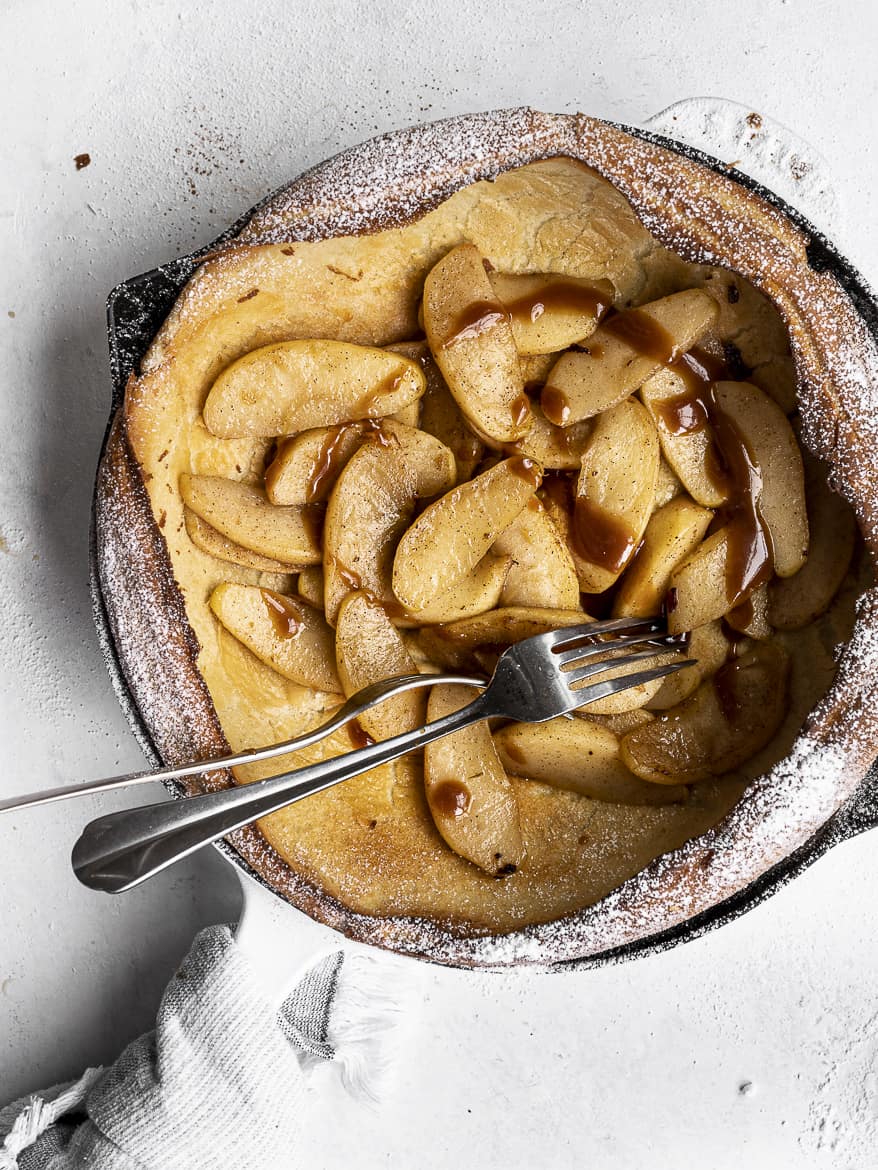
(391, 180)
(707, 218)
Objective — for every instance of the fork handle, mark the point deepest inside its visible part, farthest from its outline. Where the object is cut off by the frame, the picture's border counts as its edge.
(120, 850)
(362, 701)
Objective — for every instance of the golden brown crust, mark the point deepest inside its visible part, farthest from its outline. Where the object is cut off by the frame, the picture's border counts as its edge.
(709, 217)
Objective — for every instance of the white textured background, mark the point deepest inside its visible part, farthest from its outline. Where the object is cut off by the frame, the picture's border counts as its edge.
(756, 1045)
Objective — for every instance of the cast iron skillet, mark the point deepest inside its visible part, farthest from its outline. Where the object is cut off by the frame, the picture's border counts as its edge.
(136, 310)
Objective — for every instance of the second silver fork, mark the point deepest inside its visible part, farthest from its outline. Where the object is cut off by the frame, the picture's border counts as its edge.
(535, 680)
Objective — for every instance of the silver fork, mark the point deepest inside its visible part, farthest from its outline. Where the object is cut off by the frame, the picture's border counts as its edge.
(534, 681)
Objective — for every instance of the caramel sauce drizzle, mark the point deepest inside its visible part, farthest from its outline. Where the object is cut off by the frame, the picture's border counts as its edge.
(731, 468)
(451, 798)
(525, 469)
(477, 318)
(726, 684)
(642, 333)
(358, 737)
(603, 540)
(555, 406)
(561, 296)
(285, 613)
(354, 582)
(371, 402)
(600, 537)
(519, 409)
(327, 463)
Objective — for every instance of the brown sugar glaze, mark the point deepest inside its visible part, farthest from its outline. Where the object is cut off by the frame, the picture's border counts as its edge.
(600, 537)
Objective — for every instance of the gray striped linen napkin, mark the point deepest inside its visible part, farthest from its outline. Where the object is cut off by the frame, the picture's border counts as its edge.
(221, 1080)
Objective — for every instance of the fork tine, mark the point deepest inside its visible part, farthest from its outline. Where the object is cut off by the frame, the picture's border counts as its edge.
(600, 690)
(597, 668)
(577, 653)
(560, 637)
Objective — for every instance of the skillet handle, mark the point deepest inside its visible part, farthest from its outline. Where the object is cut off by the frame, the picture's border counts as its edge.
(760, 147)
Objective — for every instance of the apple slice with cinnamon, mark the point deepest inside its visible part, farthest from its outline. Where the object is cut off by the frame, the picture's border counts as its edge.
(549, 311)
(369, 649)
(470, 796)
(614, 493)
(242, 513)
(284, 632)
(295, 385)
(452, 535)
(372, 504)
(471, 337)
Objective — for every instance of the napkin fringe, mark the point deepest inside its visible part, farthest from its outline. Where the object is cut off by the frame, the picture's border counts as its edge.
(365, 1023)
(40, 1114)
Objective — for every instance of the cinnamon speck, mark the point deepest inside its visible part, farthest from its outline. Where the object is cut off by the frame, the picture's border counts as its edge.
(248, 296)
(81, 161)
(163, 518)
(754, 120)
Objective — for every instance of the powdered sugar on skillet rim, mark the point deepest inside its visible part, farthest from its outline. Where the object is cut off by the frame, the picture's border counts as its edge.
(392, 179)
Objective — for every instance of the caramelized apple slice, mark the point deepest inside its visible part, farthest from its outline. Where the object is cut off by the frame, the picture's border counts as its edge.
(441, 416)
(306, 465)
(750, 618)
(368, 649)
(471, 337)
(578, 755)
(310, 585)
(470, 643)
(797, 601)
(242, 513)
(371, 506)
(622, 353)
(536, 367)
(625, 721)
(550, 311)
(542, 573)
(614, 493)
(206, 537)
(470, 796)
(557, 498)
(631, 698)
(772, 446)
(284, 632)
(672, 533)
(473, 594)
(667, 485)
(727, 720)
(452, 535)
(295, 385)
(416, 351)
(554, 448)
(699, 592)
(710, 649)
(689, 453)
